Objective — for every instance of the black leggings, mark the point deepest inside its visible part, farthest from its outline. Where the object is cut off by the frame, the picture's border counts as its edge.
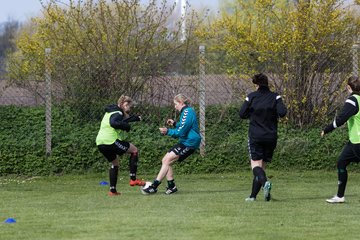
(350, 153)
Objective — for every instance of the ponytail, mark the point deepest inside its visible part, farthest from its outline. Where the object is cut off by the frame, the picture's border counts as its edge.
(182, 98)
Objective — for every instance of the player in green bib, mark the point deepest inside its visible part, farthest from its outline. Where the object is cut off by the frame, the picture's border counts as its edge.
(111, 141)
(351, 153)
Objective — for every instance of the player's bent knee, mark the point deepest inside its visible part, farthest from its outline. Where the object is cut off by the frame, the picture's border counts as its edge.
(166, 161)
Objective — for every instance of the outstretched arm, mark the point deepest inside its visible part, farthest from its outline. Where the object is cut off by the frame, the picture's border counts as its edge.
(116, 121)
(349, 109)
(132, 118)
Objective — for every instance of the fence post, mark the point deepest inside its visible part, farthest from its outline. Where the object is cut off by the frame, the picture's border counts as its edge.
(202, 95)
(48, 101)
(355, 63)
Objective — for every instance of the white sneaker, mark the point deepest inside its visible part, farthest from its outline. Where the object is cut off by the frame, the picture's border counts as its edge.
(336, 199)
(250, 199)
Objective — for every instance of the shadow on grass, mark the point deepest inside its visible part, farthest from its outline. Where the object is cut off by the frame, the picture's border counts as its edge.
(305, 198)
(205, 191)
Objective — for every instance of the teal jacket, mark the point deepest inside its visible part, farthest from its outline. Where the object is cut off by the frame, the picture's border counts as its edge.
(187, 128)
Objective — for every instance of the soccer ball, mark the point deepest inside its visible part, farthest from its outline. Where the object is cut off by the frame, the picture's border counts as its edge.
(147, 184)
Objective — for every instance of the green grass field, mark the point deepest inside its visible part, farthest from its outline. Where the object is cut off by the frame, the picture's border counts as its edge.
(206, 207)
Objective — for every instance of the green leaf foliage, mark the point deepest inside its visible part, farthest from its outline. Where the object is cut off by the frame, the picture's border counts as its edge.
(102, 48)
(22, 144)
(305, 47)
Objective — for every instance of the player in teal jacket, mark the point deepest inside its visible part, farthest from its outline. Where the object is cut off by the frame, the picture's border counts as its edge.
(187, 131)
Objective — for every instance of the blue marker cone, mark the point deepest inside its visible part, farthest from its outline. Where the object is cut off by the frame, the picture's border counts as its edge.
(10, 220)
(104, 183)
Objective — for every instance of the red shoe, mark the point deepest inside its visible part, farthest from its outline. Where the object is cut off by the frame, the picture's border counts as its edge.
(137, 182)
(111, 194)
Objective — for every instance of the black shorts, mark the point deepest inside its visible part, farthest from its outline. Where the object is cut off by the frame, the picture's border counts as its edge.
(182, 151)
(261, 150)
(117, 148)
(350, 153)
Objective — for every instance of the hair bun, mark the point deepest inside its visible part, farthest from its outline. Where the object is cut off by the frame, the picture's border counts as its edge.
(260, 79)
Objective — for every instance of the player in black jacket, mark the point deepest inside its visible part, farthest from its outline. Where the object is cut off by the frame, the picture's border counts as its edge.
(351, 153)
(263, 108)
(111, 141)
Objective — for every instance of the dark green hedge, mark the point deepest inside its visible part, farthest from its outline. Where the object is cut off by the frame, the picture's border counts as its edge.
(22, 144)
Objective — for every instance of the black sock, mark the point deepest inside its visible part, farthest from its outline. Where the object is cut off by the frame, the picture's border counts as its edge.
(342, 180)
(132, 176)
(133, 163)
(256, 186)
(113, 175)
(260, 174)
(156, 183)
(171, 183)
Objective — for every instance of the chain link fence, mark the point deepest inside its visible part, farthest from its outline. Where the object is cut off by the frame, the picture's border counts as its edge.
(86, 85)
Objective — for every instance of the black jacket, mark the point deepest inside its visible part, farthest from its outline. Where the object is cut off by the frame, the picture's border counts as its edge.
(349, 109)
(263, 108)
(118, 120)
